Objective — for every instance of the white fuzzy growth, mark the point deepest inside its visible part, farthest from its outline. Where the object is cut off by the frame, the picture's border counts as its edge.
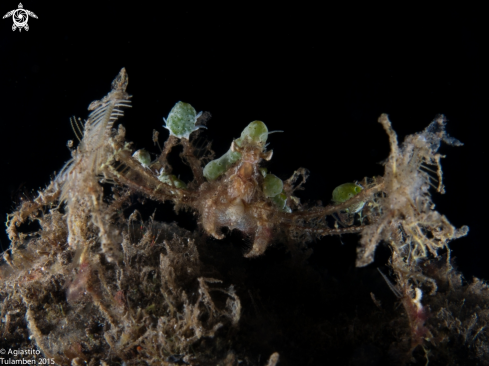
(407, 202)
(79, 177)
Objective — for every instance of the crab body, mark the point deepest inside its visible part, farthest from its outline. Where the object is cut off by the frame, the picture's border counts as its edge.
(236, 200)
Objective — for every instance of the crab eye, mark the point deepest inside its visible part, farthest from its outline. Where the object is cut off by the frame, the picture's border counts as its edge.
(346, 191)
(181, 120)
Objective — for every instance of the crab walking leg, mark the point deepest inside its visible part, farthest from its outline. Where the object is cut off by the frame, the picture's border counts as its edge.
(27, 210)
(262, 238)
(77, 227)
(209, 219)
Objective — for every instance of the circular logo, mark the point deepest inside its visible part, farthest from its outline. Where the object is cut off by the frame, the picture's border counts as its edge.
(20, 17)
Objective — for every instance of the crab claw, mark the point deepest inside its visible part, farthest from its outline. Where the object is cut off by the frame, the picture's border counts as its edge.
(262, 239)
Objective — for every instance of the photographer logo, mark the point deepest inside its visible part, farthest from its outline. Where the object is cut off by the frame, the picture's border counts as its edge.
(20, 17)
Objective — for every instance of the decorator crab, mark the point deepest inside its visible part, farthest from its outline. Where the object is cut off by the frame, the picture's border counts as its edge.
(232, 191)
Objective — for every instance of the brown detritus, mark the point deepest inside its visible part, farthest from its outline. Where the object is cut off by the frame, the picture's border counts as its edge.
(194, 163)
(99, 284)
(407, 204)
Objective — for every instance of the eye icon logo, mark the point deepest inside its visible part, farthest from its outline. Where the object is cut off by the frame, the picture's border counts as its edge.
(20, 17)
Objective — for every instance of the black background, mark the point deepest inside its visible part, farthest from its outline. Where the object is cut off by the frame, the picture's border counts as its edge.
(322, 74)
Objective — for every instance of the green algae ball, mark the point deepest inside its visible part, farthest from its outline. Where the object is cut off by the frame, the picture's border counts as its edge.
(272, 185)
(256, 131)
(280, 200)
(215, 168)
(181, 120)
(346, 191)
(143, 157)
(168, 178)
